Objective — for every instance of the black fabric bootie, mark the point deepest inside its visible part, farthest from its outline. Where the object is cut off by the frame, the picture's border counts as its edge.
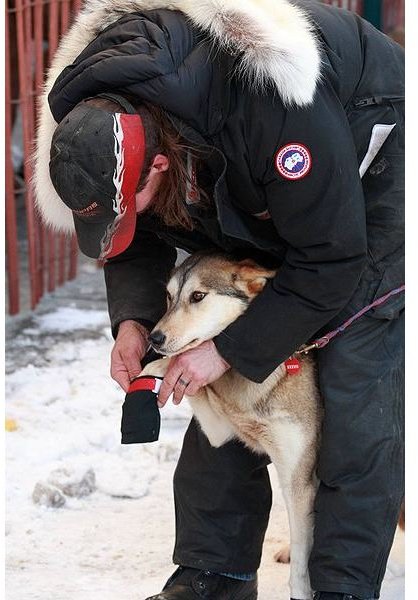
(140, 413)
(194, 584)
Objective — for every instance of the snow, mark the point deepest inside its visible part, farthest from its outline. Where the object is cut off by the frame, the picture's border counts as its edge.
(116, 541)
(69, 319)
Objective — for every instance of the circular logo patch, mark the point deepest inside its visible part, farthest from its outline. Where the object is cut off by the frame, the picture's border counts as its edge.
(293, 161)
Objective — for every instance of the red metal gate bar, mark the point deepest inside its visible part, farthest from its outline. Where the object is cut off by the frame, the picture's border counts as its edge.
(30, 116)
(11, 226)
(24, 94)
(77, 5)
(61, 258)
(39, 77)
(64, 21)
(393, 11)
(65, 15)
(354, 5)
(72, 271)
(52, 46)
(393, 15)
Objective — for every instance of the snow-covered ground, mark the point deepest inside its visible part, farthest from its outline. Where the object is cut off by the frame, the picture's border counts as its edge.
(116, 541)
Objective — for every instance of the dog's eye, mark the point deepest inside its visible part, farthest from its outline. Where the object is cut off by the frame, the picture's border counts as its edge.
(168, 297)
(197, 297)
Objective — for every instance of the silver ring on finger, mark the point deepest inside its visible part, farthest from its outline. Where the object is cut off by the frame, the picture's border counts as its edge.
(183, 382)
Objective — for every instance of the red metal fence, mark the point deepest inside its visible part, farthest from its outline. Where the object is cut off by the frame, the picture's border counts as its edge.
(355, 5)
(393, 17)
(33, 28)
(389, 15)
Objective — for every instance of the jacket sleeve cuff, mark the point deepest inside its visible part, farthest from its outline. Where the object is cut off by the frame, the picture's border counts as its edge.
(229, 351)
(149, 325)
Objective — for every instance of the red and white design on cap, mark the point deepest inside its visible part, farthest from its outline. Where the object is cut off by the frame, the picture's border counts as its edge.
(129, 149)
(293, 161)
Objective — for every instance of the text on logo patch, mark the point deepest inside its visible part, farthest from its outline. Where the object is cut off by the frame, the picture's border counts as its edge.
(293, 161)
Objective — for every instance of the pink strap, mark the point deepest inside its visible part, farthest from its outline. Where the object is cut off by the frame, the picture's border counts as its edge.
(324, 340)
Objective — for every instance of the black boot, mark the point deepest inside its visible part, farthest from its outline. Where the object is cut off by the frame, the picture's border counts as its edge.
(193, 584)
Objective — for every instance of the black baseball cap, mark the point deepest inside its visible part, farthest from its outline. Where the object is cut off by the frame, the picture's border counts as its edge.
(96, 161)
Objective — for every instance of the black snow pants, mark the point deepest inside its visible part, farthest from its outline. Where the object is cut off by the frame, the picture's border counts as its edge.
(223, 496)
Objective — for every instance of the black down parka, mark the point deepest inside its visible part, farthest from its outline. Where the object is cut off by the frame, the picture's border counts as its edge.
(326, 228)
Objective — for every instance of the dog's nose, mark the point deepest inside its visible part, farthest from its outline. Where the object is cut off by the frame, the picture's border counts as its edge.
(157, 338)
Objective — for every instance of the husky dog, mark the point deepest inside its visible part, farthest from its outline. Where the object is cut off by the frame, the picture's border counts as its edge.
(280, 417)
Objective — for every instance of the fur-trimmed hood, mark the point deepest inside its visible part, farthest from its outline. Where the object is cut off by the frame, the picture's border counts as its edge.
(274, 40)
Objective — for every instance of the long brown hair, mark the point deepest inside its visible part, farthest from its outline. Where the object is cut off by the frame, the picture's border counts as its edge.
(162, 138)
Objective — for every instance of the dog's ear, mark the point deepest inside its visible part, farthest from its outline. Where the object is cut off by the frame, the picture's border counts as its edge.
(250, 277)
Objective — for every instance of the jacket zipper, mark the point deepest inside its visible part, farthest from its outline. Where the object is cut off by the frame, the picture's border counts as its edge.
(377, 100)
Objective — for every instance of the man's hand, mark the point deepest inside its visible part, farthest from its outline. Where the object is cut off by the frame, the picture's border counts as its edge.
(190, 371)
(130, 347)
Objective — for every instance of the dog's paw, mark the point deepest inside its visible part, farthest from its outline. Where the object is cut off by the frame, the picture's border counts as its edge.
(283, 554)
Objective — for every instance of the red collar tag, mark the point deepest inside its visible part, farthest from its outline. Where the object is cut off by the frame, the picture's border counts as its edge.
(292, 366)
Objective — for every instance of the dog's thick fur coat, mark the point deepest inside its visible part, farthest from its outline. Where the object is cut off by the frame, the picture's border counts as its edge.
(274, 39)
(280, 417)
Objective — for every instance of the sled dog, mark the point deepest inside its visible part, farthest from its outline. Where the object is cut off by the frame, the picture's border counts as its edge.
(280, 416)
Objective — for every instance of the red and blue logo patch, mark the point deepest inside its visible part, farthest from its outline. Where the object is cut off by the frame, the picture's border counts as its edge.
(293, 161)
